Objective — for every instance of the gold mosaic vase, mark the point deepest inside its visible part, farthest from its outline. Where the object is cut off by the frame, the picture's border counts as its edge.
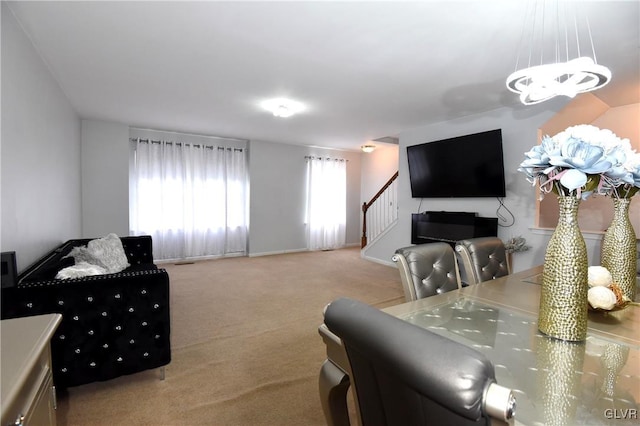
(563, 296)
(558, 381)
(619, 249)
(613, 360)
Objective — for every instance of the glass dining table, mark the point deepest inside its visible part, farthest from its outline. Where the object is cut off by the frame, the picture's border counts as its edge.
(595, 382)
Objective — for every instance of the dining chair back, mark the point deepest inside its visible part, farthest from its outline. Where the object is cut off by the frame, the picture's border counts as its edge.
(427, 269)
(481, 259)
(407, 375)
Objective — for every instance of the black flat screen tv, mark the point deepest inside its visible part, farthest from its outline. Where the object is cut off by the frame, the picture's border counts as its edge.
(464, 166)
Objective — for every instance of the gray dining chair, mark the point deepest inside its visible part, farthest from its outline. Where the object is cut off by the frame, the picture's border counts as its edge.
(481, 259)
(406, 375)
(427, 270)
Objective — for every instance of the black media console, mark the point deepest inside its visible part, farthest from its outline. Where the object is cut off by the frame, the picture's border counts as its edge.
(432, 226)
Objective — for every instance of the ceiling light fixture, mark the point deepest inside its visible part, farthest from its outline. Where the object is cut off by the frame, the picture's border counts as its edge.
(282, 107)
(368, 148)
(566, 77)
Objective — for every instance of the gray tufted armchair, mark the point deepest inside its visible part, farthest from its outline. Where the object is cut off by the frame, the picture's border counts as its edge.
(481, 259)
(407, 375)
(427, 269)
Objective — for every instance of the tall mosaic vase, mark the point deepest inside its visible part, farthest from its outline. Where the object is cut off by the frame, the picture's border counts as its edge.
(613, 360)
(563, 297)
(619, 248)
(558, 381)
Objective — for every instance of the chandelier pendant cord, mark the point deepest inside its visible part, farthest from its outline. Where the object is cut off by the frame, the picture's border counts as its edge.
(521, 41)
(593, 49)
(538, 83)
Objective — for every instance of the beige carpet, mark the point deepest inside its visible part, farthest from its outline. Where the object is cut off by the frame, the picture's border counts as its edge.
(246, 350)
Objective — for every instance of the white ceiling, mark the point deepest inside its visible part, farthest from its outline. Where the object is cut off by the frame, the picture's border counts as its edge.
(365, 70)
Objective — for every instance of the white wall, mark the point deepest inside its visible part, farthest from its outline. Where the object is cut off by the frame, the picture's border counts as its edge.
(277, 187)
(519, 132)
(42, 170)
(40, 151)
(377, 167)
(105, 178)
(64, 178)
(277, 174)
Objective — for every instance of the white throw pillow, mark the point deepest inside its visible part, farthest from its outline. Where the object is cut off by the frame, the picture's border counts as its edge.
(106, 252)
(79, 270)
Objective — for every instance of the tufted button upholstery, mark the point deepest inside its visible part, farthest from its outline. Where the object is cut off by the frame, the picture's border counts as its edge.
(427, 269)
(138, 251)
(407, 375)
(112, 324)
(481, 259)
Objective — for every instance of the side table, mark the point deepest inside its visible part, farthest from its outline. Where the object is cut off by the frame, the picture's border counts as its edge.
(27, 391)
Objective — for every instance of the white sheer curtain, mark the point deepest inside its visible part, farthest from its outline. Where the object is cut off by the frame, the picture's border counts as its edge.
(190, 198)
(326, 203)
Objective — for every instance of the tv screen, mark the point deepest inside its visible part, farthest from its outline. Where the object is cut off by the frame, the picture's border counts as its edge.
(464, 166)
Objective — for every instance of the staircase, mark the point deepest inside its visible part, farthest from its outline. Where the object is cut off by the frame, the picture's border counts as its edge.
(380, 212)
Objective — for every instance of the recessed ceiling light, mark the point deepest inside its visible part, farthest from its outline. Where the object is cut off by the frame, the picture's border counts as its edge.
(282, 107)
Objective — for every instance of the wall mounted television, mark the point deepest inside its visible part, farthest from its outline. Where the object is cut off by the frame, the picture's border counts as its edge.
(463, 166)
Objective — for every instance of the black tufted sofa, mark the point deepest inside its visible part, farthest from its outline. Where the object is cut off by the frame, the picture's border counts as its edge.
(112, 324)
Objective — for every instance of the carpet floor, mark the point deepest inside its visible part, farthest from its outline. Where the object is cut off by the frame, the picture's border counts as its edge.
(245, 345)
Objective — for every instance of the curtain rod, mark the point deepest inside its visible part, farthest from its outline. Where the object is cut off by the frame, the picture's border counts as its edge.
(142, 140)
(190, 134)
(311, 157)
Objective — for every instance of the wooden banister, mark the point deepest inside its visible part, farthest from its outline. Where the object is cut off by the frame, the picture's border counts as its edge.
(365, 207)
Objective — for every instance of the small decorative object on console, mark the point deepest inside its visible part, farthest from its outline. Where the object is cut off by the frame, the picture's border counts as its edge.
(516, 244)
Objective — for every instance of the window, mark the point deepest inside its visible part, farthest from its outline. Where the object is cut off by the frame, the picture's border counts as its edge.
(326, 202)
(191, 198)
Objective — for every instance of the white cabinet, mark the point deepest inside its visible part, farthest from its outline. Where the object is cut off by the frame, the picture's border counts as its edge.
(26, 391)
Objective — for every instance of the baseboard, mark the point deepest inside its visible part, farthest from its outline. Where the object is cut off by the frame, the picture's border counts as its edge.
(196, 259)
(375, 260)
(270, 253)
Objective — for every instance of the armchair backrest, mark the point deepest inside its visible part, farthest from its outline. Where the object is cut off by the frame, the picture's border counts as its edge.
(481, 259)
(407, 375)
(427, 269)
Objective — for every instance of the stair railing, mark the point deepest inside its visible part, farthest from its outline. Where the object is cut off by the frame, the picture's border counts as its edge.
(381, 211)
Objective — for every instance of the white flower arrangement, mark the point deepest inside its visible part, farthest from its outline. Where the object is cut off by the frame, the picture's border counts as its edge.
(582, 160)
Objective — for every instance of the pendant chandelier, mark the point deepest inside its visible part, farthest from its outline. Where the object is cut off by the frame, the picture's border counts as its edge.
(571, 66)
